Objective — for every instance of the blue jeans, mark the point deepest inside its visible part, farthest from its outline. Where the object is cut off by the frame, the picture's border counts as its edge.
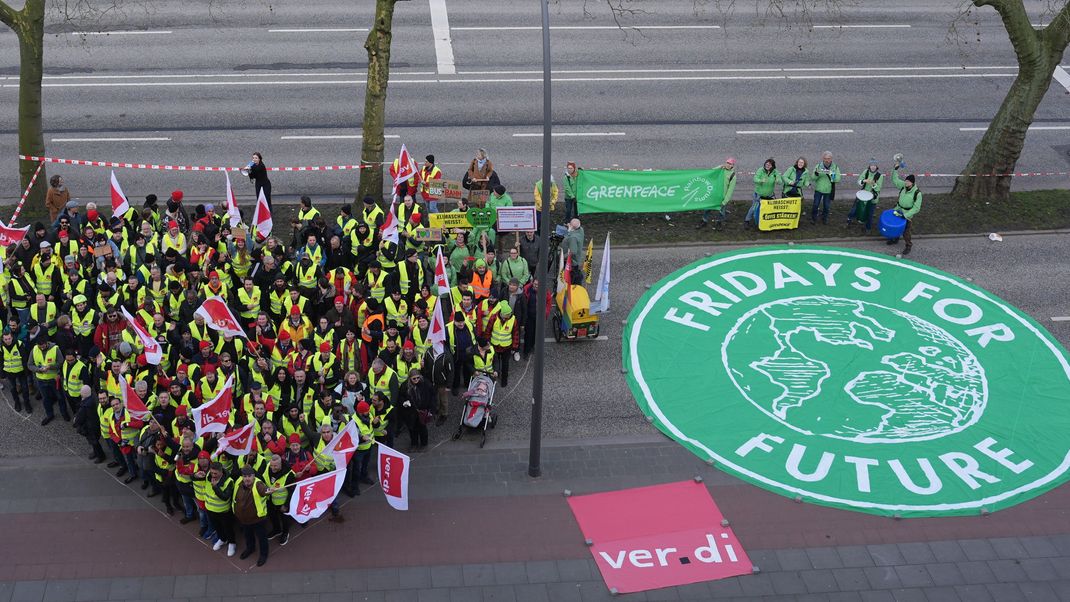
(432, 206)
(361, 460)
(822, 200)
(752, 213)
(709, 213)
(206, 525)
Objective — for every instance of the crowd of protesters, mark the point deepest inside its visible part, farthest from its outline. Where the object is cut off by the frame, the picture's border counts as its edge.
(337, 320)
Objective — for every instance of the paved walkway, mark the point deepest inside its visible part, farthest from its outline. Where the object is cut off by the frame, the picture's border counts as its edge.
(480, 529)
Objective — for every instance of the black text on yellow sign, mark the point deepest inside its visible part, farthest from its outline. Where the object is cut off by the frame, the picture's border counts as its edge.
(780, 214)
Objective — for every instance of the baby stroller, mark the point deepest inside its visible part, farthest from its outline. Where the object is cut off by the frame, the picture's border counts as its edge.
(478, 412)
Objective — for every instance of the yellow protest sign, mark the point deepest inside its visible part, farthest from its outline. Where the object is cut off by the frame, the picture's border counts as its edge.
(780, 214)
(448, 220)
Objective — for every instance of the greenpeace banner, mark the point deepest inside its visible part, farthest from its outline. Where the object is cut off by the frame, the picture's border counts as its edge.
(599, 191)
(780, 214)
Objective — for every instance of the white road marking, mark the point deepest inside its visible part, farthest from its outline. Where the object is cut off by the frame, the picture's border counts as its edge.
(555, 134)
(440, 27)
(729, 70)
(861, 27)
(1062, 77)
(320, 30)
(1031, 128)
(333, 137)
(778, 132)
(581, 27)
(200, 75)
(1061, 319)
(154, 139)
(120, 33)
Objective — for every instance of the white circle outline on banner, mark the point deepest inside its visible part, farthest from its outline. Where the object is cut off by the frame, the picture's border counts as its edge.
(638, 373)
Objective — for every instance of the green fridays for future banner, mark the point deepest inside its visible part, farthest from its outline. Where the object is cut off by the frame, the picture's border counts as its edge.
(649, 191)
(853, 380)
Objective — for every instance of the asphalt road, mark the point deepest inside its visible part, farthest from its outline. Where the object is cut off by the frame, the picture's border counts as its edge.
(182, 84)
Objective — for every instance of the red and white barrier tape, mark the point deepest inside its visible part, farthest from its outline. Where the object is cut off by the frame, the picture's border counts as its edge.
(42, 160)
(26, 193)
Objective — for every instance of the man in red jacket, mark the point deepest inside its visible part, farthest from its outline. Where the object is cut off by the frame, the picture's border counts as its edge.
(109, 332)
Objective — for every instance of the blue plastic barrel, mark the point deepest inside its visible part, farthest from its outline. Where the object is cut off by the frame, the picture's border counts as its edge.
(892, 225)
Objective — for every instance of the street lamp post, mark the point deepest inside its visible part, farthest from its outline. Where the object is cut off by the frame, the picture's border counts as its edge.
(542, 271)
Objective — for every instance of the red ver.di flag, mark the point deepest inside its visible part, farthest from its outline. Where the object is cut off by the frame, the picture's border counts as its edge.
(237, 443)
(394, 477)
(312, 497)
(134, 405)
(218, 316)
(214, 416)
(119, 204)
(10, 236)
(637, 548)
(262, 218)
(153, 350)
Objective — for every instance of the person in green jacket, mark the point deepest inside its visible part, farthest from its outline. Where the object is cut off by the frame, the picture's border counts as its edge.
(729, 167)
(513, 266)
(795, 179)
(499, 198)
(571, 210)
(826, 174)
(870, 180)
(765, 180)
(907, 206)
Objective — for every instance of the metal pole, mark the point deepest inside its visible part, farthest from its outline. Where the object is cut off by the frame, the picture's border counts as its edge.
(535, 449)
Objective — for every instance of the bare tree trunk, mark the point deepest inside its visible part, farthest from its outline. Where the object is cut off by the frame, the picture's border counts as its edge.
(29, 27)
(371, 152)
(999, 149)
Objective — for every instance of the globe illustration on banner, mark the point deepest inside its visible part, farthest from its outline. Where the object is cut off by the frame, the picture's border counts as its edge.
(841, 368)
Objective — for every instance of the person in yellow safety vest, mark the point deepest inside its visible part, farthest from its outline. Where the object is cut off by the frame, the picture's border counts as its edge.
(44, 312)
(410, 275)
(15, 370)
(408, 187)
(324, 460)
(345, 221)
(174, 239)
(483, 358)
(407, 361)
(296, 299)
(279, 476)
(105, 417)
(250, 508)
(248, 301)
(359, 464)
(163, 460)
(75, 373)
(305, 214)
(505, 339)
(191, 465)
(428, 173)
(46, 272)
(218, 497)
(376, 281)
(210, 385)
(383, 378)
(387, 255)
(382, 423)
(397, 310)
(324, 366)
(306, 274)
(372, 214)
(486, 310)
(296, 326)
(482, 280)
(404, 210)
(44, 363)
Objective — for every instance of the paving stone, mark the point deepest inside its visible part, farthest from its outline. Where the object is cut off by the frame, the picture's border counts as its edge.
(510, 573)
(564, 592)
(913, 576)
(885, 555)
(466, 594)
(30, 591)
(1038, 592)
(531, 592)
(1061, 588)
(852, 579)
(478, 574)
(824, 558)
(541, 571)
(128, 588)
(443, 576)
(574, 570)
(978, 549)
(97, 589)
(397, 595)
(917, 553)
(882, 577)
(1061, 565)
(385, 579)
(1039, 569)
(909, 595)
(819, 581)
(726, 588)
(1008, 547)
(499, 593)
(156, 587)
(787, 583)
(942, 594)
(877, 596)
(976, 572)
(757, 585)
(692, 591)
(1038, 547)
(282, 583)
(838, 597)
(665, 594)
(410, 577)
(854, 556)
(766, 560)
(1061, 542)
(438, 594)
(1007, 571)
(793, 560)
(1006, 592)
(947, 551)
(945, 574)
(595, 591)
(974, 593)
(61, 591)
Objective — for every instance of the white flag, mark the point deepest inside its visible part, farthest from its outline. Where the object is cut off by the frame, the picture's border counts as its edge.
(394, 477)
(153, 350)
(442, 281)
(390, 226)
(232, 204)
(436, 332)
(601, 295)
(262, 218)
